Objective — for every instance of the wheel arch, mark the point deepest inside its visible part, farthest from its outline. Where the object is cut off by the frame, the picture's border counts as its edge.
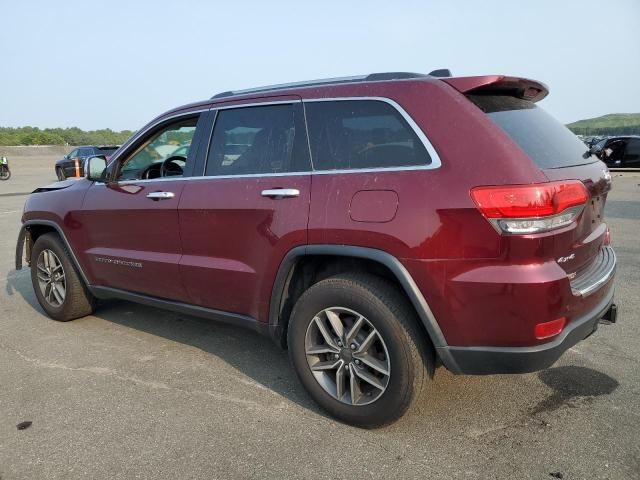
(284, 289)
(31, 230)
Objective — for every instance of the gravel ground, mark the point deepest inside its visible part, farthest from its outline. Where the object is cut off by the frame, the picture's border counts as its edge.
(135, 392)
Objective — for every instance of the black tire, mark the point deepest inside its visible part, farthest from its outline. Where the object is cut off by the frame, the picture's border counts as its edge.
(78, 301)
(410, 353)
(60, 174)
(5, 174)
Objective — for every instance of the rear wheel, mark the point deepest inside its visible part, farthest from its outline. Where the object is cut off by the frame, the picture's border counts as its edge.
(58, 287)
(354, 345)
(5, 173)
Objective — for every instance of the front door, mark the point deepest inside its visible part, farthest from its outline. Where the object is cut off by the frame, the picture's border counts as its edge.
(131, 222)
(251, 207)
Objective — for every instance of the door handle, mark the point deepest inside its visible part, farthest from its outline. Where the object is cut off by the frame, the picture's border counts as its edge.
(281, 193)
(160, 195)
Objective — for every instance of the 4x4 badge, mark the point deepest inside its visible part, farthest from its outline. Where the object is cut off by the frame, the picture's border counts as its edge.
(567, 258)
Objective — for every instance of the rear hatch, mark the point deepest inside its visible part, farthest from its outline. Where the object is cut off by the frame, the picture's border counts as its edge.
(560, 155)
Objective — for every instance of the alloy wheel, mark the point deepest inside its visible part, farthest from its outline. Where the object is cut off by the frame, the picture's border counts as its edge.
(51, 278)
(347, 356)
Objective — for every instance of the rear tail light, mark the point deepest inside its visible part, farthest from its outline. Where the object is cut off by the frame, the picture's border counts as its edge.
(524, 209)
(549, 329)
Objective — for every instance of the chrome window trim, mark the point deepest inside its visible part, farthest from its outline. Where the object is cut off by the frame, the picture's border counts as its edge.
(279, 174)
(435, 158)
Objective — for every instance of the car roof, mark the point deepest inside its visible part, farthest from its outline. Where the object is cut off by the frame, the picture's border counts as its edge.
(372, 77)
(521, 87)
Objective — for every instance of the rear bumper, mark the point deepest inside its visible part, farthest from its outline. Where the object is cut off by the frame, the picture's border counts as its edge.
(494, 360)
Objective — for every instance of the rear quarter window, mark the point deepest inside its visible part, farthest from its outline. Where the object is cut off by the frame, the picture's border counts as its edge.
(357, 134)
(543, 138)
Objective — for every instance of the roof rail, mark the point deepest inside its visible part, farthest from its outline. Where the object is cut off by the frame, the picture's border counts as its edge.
(372, 77)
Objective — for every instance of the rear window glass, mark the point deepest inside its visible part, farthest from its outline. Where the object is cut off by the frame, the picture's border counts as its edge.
(105, 150)
(85, 152)
(544, 139)
(354, 134)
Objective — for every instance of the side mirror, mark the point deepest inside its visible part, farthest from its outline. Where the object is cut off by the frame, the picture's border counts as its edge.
(96, 168)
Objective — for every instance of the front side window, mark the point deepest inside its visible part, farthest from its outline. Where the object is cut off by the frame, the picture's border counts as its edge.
(73, 153)
(356, 134)
(258, 140)
(162, 154)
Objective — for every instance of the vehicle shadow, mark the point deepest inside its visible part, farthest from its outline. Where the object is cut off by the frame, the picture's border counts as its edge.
(250, 353)
(263, 362)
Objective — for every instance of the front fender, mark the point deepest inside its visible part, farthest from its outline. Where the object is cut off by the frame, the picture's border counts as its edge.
(25, 234)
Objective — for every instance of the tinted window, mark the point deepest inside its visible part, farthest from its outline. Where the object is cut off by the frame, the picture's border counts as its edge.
(73, 153)
(545, 140)
(255, 140)
(353, 134)
(85, 152)
(105, 150)
(156, 155)
(633, 150)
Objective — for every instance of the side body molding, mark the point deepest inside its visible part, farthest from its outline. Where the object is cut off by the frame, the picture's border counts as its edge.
(393, 264)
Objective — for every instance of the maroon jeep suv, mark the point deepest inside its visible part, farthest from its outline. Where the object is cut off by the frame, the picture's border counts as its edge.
(376, 227)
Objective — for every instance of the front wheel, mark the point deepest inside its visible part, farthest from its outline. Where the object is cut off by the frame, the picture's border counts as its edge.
(58, 287)
(355, 346)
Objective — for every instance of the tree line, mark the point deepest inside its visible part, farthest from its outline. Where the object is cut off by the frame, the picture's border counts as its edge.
(609, 131)
(75, 136)
(61, 136)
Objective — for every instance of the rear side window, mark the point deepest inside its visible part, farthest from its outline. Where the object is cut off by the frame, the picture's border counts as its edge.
(355, 134)
(258, 140)
(633, 149)
(545, 140)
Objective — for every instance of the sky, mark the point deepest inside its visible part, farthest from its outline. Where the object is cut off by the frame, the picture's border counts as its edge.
(117, 64)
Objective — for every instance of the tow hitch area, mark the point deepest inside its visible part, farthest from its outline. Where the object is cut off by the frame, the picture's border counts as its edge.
(611, 315)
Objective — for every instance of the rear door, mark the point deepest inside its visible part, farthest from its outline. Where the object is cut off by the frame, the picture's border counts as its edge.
(131, 223)
(632, 153)
(239, 220)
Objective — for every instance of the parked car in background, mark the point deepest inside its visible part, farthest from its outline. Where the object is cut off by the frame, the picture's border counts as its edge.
(376, 227)
(591, 141)
(72, 164)
(620, 152)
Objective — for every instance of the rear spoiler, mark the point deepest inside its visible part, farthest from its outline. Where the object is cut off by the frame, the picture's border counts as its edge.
(500, 85)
